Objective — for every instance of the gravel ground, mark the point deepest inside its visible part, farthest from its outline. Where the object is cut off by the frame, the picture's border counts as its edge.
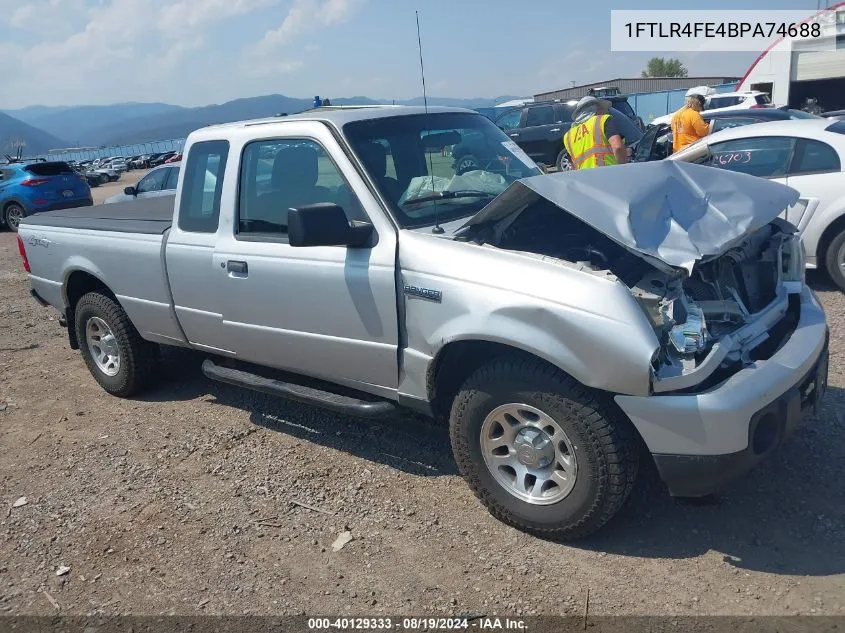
(199, 498)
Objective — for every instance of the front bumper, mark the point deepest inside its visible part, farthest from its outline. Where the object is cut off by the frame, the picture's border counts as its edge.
(700, 441)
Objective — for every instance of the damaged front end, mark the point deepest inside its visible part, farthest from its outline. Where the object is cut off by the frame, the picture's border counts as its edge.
(715, 321)
(715, 270)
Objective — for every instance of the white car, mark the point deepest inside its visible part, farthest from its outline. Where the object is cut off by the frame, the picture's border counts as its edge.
(805, 154)
(117, 164)
(721, 101)
(160, 181)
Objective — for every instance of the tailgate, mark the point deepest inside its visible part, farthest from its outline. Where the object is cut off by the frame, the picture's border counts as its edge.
(56, 182)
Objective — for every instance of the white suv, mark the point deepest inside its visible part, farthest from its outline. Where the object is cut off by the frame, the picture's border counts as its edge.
(720, 101)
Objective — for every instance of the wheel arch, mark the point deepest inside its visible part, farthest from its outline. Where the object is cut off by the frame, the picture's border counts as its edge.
(833, 229)
(9, 202)
(78, 283)
(458, 359)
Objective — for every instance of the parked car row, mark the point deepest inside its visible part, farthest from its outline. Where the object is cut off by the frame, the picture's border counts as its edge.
(145, 161)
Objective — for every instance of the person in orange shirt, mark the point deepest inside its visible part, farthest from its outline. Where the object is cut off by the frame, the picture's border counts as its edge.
(687, 124)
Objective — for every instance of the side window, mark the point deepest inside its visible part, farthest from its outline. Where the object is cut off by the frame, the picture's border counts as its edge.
(172, 178)
(564, 113)
(509, 121)
(153, 181)
(814, 157)
(296, 173)
(543, 115)
(199, 207)
(763, 156)
(722, 102)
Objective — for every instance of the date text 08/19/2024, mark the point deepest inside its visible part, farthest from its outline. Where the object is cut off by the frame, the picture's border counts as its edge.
(415, 624)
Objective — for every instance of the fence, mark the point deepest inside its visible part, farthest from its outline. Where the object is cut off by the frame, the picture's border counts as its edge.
(650, 105)
(90, 153)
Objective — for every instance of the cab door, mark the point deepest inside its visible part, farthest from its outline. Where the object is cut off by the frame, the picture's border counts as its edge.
(328, 312)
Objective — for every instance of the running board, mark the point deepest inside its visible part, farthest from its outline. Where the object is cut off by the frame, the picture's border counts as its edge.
(300, 393)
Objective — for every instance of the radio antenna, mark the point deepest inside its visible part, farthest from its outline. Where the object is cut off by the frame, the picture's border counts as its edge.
(437, 228)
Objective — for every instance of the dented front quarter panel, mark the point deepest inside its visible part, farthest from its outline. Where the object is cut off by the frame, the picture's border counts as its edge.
(583, 322)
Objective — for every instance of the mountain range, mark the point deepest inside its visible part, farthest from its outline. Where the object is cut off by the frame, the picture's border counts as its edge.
(50, 127)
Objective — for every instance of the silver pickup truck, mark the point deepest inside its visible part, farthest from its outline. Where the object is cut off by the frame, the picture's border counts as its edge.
(567, 325)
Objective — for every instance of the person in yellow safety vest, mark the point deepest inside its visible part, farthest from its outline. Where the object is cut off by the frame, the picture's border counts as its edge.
(594, 140)
(687, 124)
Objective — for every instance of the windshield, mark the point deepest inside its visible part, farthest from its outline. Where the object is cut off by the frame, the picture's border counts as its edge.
(437, 167)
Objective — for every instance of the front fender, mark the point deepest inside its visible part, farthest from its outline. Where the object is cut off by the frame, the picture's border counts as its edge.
(592, 348)
(816, 227)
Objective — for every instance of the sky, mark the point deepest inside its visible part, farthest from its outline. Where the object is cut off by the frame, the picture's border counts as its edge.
(198, 52)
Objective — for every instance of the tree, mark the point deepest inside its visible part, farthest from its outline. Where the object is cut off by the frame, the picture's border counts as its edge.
(662, 67)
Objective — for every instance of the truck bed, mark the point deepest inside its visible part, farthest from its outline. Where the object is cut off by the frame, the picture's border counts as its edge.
(152, 216)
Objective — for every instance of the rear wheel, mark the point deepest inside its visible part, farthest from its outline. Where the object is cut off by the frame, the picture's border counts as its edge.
(13, 215)
(541, 451)
(116, 355)
(835, 260)
(563, 162)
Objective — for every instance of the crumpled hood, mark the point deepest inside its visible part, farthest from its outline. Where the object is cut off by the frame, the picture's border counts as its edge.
(674, 212)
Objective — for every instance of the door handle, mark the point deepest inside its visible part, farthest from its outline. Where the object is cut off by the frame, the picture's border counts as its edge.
(239, 268)
(556, 129)
(514, 135)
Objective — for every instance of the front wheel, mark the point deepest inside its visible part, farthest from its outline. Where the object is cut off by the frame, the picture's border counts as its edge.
(13, 215)
(834, 260)
(466, 163)
(116, 355)
(542, 452)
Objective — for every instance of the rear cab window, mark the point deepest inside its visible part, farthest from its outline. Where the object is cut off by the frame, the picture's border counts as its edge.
(199, 207)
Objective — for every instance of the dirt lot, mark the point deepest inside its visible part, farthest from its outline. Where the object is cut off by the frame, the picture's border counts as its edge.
(194, 499)
(127, 179)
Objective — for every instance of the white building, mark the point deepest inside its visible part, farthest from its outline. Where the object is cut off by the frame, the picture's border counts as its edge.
(791, 74)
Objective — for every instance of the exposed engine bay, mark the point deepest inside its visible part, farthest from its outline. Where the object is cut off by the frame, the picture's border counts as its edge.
(690, 313)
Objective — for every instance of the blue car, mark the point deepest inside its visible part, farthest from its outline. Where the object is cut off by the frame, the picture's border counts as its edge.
(32, 187)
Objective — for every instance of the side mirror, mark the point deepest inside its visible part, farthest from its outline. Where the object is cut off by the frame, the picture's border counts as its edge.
(325, 224)
(129, 191)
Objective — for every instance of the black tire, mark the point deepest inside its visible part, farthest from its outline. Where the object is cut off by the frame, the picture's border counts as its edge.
(466, 163)
(562, 162)
(12, 215)
(605, 446)
(137, 356)
(834, 260)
